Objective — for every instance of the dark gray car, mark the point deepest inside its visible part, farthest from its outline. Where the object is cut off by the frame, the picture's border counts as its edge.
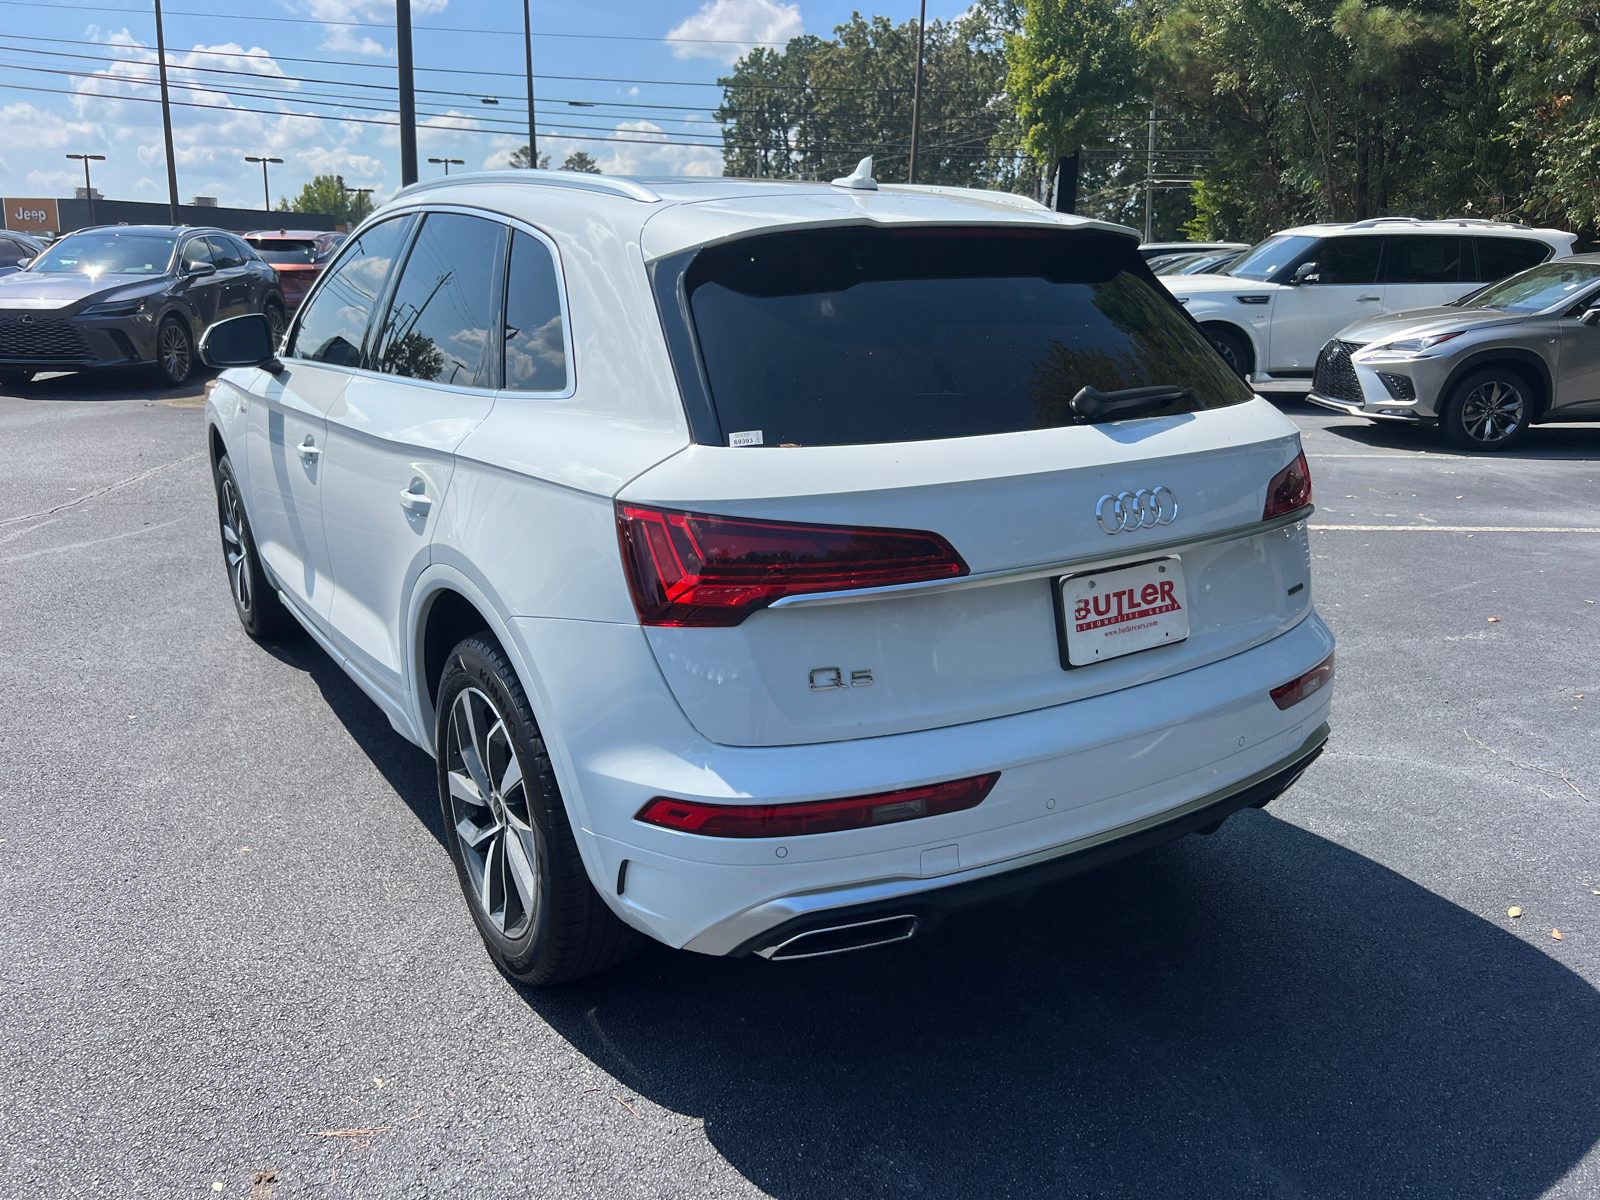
(129, 296)
(1516, 353)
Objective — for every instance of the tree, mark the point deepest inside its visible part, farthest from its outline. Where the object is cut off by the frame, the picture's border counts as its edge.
(328, 195)
(1073, 62)
(579, 161)
(520, 159)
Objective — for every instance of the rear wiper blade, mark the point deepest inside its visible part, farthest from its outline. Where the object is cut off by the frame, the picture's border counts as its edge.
(1092, 405)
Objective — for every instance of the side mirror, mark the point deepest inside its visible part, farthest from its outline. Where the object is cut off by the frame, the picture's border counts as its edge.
(24, 263)
(240, 342)
(1306, 273)
(196, 270)
(1591, 317)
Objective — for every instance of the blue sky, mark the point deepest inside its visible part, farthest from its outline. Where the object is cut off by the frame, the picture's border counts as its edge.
(308, 81)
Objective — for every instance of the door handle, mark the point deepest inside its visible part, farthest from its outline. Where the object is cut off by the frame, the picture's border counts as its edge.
(415, 500)
(309, 451)
(1363, 299)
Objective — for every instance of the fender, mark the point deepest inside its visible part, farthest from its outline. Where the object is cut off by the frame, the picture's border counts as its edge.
(1257, 354)
(1540, 370)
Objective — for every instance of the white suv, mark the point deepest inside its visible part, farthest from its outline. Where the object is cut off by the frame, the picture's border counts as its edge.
(1274, 308)
(769, 566)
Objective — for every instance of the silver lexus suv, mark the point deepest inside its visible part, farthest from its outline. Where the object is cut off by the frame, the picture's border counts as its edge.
(1516, 353)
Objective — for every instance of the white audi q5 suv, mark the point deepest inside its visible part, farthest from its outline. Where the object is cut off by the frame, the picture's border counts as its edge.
(769, 566)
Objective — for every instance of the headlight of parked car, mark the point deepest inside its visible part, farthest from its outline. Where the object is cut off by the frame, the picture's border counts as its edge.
(116, 308)
(1416, 347)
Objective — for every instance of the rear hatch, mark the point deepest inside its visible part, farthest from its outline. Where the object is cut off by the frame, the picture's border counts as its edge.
(931, 383)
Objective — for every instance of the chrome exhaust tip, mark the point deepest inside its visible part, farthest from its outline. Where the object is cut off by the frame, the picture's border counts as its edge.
(838, 939)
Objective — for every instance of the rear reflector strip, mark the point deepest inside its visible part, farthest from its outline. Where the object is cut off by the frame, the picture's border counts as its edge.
(688, 568)
(820, 816)
(1289, 694)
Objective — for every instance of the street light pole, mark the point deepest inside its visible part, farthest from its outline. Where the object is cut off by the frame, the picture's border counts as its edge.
(916, 96)
(350, 218)
(166, 121)
(408, 97)
(527, 49)
(88, 188)
(266, 192)
(460, 162)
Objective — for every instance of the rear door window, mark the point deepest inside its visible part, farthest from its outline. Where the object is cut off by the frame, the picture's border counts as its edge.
(439, 326)
(333, 327)
(1348, 260)
(1502, 256)
(847, 336)
(536, 349)
(1427, 259)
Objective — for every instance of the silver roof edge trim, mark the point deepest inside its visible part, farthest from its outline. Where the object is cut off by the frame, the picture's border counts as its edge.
(610, 185)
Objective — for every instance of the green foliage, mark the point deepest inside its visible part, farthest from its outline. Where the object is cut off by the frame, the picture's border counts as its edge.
(579, 161)
(522, 160)
(327, 194)
(1073, 63)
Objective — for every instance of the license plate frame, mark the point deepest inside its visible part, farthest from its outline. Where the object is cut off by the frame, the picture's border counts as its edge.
(1087, 635)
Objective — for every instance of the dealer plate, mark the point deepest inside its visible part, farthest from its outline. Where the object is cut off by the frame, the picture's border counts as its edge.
(1124, 610)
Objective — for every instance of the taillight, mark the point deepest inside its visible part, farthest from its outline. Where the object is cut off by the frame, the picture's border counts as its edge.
(694, 569)
(1290, 489)
(819, 816)
(1289, 694)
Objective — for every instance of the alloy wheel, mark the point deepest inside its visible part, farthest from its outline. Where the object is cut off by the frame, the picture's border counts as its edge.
(234, 550)
(174, 350)
(1492, 412)
(489, 806)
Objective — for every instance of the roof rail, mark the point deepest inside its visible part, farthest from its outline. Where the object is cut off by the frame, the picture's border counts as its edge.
(1374, 221)
(610, 185)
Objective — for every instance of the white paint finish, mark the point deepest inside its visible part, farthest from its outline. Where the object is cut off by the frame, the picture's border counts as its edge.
(385, 434)
(1107, 760)
(286, 491)
(678, 227)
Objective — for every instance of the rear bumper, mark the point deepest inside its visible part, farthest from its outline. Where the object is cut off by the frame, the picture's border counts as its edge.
(781, 921)
(1073, 776)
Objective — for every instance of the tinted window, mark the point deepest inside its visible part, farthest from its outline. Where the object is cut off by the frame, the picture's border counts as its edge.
(1539, 288)
(109, 254)
(243, 250)
(197, 253)
(851, 336)
(1418, 259)
(439, 322)
(223, 254)
(536, 350)
(1502, 256)
(286, 250)
(1348, 260)
(1269, 257)
(334, 324)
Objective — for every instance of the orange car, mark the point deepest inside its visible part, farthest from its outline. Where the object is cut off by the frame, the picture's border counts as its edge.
(298, 255)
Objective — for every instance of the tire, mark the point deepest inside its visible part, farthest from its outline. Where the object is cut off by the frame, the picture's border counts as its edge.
(1488, 410)
(1234, 349)
(174, 352)
(14, 377)
(507, 829)
(260, 611)
(276, 322)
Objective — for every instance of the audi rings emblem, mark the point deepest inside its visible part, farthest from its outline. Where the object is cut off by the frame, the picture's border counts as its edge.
(1144, 509)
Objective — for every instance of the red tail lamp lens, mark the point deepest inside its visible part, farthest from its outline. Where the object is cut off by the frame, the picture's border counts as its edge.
(1290, 489)
(693, 569)
(821, 816)
(1296, 690)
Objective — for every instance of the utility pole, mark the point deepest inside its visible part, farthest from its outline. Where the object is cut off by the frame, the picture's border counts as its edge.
(460, 162)
(408, 97)
(88, 188)
(1150, 180)
(353, 206)
(916, 95)
(527, 48)
(266, 192)
(166, 121)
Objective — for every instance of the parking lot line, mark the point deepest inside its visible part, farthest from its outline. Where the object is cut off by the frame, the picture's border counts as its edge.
(1458, 457)
(1457, 528)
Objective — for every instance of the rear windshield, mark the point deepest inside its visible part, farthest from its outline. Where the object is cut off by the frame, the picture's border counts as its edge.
(838, 337)
(285, 250)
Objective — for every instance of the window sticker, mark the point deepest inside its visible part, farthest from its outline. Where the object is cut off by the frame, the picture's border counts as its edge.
(750, 437)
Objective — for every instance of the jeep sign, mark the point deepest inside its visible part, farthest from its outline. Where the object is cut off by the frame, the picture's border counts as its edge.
(32, 216)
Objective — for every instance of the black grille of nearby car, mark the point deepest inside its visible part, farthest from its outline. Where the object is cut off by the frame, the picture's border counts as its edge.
(40, 338)
(1335, 377)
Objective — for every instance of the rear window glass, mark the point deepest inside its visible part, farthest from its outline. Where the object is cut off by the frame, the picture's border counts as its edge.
(1502, 256)
(838, 337)
(285, 250)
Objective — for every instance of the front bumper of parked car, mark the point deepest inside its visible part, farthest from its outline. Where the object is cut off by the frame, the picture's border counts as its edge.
(49, 341)
(1407, 390)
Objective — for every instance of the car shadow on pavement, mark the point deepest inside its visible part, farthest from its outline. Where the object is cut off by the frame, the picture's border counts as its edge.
(1541, 441)
(130, 384)
(1260, 1013)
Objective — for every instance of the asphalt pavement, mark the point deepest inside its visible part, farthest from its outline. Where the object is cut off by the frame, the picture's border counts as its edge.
(234, 959)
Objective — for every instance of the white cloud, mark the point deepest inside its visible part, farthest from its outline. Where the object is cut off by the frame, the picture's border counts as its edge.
(730, 28)
(30, 128)
(642, 150)
(351, 40)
